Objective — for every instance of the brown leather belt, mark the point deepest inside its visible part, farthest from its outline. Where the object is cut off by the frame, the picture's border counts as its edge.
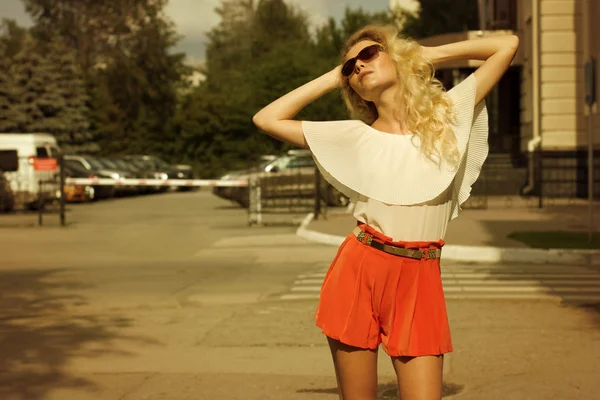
(368, 240)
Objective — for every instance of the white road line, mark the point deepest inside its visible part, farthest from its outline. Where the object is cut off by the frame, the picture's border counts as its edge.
(525, 282)
(306, 289)
(541, 283)
(592, 276)
(479, 296)
(308, 282)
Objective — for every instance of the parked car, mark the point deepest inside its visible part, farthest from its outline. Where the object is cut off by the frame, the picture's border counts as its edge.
(123, 173)
(76, 193)
(163, 169)
(231, 192)
(105, 169)
(24, 182)
(294, 162)
(139, 173)
(94, 169)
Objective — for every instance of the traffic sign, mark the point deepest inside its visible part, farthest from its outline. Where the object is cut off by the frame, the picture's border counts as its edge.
(44, 164)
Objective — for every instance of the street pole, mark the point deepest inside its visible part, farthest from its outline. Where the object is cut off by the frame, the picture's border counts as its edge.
(590, 100)
(40, 202)
(590, 174)
(62, 188)
(317, 204)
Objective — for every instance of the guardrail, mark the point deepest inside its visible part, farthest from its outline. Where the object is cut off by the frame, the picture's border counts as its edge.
(155, 182)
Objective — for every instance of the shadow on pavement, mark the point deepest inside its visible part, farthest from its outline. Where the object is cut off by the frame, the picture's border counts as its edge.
(41, 332)
(389, 391)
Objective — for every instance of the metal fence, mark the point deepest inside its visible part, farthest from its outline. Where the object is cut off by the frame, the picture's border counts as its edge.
(558, 178)
(287, 192)
(565, 175)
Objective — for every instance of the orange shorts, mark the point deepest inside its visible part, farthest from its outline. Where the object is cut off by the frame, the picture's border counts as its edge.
(370, 297)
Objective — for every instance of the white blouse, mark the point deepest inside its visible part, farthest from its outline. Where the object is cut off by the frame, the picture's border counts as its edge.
(396, 189)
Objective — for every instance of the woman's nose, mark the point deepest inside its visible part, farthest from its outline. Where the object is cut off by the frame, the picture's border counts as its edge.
(358, 66)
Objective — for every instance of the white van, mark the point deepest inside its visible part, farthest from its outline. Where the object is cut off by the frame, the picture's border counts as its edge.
(24, 183)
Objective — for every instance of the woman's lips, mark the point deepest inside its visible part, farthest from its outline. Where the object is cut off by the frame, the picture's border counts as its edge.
(361, 76)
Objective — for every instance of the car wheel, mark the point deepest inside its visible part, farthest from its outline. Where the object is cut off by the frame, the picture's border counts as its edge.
(90, 193)
(335, 198)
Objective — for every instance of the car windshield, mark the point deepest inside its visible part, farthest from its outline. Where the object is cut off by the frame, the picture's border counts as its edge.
(139, 163)
(74, 164)
(109, 163)
(159, 163)
(263, 164)
(120, 163)
(126, 165)
(94, 163)
(301, 162)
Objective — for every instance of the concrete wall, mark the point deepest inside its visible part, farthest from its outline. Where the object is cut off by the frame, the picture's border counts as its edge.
(561, 73)
(564, 31)
(592, 43)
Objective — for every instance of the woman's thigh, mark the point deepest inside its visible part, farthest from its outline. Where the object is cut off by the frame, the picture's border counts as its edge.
(355, 370)
(419, 378)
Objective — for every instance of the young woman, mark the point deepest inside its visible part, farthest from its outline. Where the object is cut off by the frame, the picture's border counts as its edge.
(407, 161)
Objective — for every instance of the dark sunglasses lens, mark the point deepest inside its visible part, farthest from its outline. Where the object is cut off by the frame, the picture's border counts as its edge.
(368, 53)
(348, 67)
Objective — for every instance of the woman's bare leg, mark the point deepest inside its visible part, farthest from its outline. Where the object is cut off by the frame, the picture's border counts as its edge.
(419, 378)
(355, 370)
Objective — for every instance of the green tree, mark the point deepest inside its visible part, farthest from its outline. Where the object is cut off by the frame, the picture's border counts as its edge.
(253, 56)
(11, 117)
(131, 74)
(91, 27)
(50, 93)
(70, 122)
(437, 17)
(12, 38)
(134, 95)
(31, 74)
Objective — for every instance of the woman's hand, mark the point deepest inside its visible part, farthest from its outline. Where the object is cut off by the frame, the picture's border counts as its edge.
(497, 52)
(276, 119)
(337, 76)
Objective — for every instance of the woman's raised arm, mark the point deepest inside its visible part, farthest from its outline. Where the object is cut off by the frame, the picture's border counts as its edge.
(497, 52)
(276, 118)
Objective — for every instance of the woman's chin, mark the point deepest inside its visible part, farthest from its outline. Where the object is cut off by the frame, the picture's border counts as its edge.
(372, 89)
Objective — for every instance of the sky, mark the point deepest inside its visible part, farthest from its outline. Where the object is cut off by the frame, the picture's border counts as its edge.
(193, 18)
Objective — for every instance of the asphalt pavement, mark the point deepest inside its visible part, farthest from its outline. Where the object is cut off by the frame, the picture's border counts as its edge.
(174, 297)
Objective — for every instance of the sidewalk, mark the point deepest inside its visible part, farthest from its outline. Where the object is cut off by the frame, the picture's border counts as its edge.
(481, 235)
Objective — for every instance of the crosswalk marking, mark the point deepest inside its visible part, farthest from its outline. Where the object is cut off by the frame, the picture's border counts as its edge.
(470, 282)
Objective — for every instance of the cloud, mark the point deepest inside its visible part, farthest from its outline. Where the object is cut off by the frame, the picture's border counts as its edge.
(193, 17)
(14, 9)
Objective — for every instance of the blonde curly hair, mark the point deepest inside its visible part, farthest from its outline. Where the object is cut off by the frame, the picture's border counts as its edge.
(423, 105)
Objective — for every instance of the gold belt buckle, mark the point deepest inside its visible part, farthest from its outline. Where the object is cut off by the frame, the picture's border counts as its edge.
(361, 238)
(431, 254)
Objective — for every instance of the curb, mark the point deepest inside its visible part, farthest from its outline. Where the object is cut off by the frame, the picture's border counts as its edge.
(479, 254)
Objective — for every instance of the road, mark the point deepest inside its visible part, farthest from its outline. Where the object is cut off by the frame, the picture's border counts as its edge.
(174, 297)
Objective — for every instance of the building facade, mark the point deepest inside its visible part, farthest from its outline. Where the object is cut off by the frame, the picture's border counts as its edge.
(539, 106)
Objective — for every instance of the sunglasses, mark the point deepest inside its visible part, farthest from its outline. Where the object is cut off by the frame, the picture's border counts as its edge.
(367, 54)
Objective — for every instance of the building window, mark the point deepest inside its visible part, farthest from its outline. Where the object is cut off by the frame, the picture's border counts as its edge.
(502, 14)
